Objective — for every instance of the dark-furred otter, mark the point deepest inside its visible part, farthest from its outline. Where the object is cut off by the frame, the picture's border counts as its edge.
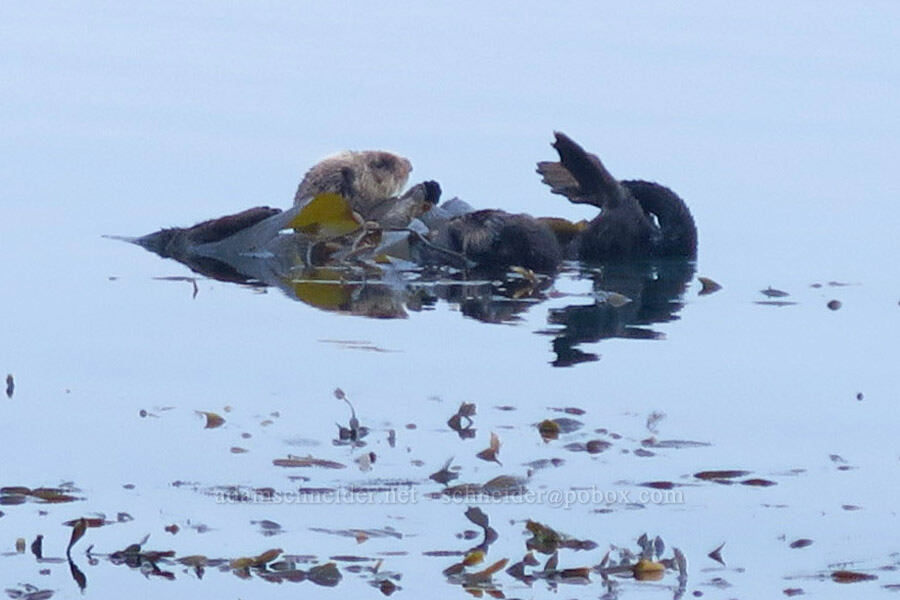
(498, 239)
(638, 218)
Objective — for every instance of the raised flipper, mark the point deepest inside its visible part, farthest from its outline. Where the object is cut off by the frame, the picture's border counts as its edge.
(580, 176)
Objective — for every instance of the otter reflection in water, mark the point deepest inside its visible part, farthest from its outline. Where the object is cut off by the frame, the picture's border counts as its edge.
(631, 296)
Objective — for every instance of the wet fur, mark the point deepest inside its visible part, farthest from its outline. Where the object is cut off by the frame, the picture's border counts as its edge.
(365, 179)
(638, 218)
(496, 238)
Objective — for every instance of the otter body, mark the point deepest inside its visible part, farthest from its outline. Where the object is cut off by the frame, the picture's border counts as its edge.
(365, 179)
(498, 239)
(638, 219)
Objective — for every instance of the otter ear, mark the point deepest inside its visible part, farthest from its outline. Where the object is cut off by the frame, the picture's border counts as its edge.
(326, 216)
(595, 184)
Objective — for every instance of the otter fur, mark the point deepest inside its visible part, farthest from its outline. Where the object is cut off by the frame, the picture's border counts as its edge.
(638, 219)
(498, 239)
(365, 179)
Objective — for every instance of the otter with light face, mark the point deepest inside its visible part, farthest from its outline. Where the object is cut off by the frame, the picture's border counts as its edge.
(365, 179)
(369, 180)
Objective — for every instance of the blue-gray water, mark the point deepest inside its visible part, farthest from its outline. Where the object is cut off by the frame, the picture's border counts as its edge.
(777, 124)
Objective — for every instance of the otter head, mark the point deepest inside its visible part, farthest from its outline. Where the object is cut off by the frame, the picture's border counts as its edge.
(364, 178)
(380, 174)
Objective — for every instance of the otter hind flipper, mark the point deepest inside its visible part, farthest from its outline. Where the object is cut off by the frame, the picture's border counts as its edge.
(596, 185)
(561, 181)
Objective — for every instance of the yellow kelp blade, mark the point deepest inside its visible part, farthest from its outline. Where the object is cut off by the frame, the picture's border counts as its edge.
(323, 289)
(325, 216)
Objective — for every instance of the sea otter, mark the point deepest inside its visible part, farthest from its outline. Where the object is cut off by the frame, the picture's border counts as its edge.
(638, 219)
(364, 179)
(495, 239)
(369, 180)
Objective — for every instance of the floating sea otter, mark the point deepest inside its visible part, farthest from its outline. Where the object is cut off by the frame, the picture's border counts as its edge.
(638, 219)
(368, 181)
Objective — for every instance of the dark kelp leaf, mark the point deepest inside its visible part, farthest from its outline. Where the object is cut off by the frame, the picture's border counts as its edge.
(801, 543)
(326, 575)
(718, 475)
(213, 420)
(78, 529)
(10, 386)
(386, 586)
(659, 485)
(771, 292)
(504, 485)
(490, 454)
(758, 482)
(307, 461)
(708, 286)
(548, 429)
(547, 541)
(77, 575)
(552, 563)
(478, 517)
(445, 475)
(485, 574)
(52, 495)
(267, 557)
(716, 554)
(851, 576)
(597, 446)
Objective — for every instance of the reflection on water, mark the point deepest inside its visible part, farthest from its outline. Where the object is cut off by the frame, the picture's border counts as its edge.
(629, 296)
(651, 292)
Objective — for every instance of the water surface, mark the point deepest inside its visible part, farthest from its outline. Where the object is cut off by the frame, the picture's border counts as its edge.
(777, 125)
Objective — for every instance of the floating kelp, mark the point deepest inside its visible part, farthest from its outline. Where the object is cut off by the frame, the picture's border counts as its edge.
(445, 474)
(708, 286)
(547, 541)
(490, 453)
(551, 429)
(213, 420)
(716, 554)
(843, 576)
(354, 432)
(307, 461)
(16, 494)
(26, 591)
(461, 422)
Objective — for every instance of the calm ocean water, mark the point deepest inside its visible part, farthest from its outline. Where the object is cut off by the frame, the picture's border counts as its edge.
(777, 124)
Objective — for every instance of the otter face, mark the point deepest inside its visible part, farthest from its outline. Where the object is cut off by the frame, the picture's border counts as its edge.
(363, 178)
(381, 174)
